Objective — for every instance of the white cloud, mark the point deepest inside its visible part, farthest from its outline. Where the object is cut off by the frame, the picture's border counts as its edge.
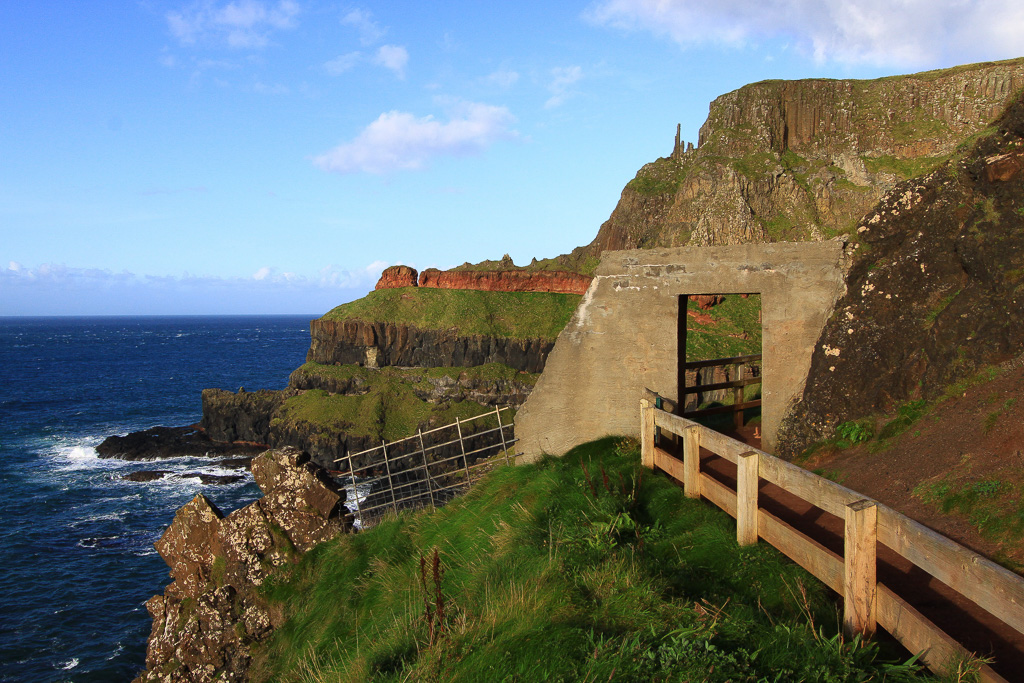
(362, 21)
(239, 24)
(401, 141)
(342, 63)
(879, 32)
(58, 289)
(393, 57)
(562, 80)
(503, 78)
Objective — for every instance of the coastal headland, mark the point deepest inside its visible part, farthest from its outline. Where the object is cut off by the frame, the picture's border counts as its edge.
(917, 184)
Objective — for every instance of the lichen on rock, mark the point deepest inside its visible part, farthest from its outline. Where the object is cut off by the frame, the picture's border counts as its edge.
(209, 616)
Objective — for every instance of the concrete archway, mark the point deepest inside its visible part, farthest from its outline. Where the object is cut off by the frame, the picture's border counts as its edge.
(618, 341)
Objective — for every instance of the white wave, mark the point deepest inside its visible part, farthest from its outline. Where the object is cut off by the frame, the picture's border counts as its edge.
(69, 664)
(106, 517)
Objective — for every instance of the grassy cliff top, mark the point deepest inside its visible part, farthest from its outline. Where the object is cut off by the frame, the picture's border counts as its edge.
(518, 315)
(584, 568)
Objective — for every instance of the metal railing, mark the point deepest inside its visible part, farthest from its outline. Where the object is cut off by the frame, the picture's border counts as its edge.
(411, 473)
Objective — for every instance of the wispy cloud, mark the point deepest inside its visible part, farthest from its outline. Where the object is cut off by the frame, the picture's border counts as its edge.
(402, 141)
(393, 57)
(59, 289)
(503, 78)
(879, 32)
(342, 63)
(362, 21)
(560, 87)
(239, 24)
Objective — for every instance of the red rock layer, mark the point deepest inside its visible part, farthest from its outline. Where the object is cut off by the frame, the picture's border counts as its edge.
(558, 282)
(397, 276)
(506, 280)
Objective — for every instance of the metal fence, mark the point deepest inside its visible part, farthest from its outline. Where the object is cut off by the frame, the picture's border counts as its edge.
(426, 469)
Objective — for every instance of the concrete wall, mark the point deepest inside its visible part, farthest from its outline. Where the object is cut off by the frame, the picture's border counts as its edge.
(623, 336)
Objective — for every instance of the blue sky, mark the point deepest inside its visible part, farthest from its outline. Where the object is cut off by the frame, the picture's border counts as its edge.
(273, 156)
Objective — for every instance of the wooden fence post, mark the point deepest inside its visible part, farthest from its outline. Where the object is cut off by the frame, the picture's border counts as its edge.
(737, 399)
(646, 434)
(746, 498)
(860, 583)
(691, 462)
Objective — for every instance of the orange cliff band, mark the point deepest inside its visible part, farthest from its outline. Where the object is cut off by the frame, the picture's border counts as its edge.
(559, 282)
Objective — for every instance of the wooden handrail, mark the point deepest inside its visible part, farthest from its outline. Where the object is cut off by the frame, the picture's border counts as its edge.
(734, 360)
(986, 584)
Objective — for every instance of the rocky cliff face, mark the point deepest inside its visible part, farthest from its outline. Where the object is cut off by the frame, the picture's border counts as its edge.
(559, 282)
(804, 160)
(211, 614)
(935, 292)
(506, 280)
(376, 344)
(267, 417)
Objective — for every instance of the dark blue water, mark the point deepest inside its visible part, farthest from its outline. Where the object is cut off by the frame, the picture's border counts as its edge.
(76, 541)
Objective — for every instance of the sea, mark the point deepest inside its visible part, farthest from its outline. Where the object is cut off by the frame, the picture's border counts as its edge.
(77, 561)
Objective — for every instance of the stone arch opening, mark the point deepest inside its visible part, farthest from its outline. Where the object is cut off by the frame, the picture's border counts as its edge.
(618, 344)
(710, 327)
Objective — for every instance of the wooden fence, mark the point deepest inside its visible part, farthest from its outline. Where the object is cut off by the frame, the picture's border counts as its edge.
(418, 477)
(737, 385)
(868, 523)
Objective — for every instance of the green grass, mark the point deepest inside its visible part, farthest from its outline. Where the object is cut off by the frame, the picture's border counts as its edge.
(389, 410)
(733, 318)
(489, 372)
(518, 315)
(994, 507)
(584, 568)
(904, 168)
(659, 177)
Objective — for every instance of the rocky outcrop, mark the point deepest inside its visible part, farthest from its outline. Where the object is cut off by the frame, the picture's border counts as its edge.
(804, 160)
(173, 442)
(245, 416)
(208, 618)
(395, 277)
(376, 344)
(550, 281)
(935, 291)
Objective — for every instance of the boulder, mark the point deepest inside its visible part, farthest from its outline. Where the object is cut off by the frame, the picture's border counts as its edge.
(397, 276)
(212, 613)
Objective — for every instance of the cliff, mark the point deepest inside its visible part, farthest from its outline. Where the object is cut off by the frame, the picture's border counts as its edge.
(503, 280)
(804, 160)
(935, 292)
(329, 411)
(375, 344)
(212, 614)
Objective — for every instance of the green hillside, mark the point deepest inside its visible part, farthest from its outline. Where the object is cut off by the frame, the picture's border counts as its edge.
(583, 568)
(518, 315)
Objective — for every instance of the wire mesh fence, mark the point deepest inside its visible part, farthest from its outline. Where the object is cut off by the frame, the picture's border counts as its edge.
(426, 469)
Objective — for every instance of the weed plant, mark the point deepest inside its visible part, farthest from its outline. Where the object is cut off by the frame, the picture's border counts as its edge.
(583, 568)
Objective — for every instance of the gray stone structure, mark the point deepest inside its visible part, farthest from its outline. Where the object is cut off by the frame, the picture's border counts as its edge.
(623, 336)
